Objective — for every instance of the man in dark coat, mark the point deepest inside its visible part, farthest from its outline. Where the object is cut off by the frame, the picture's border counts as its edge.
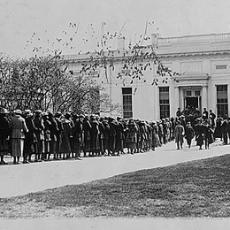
(212, 117)
(178, 113)
(224, 129)
(200, 130)
(189, 133)
(4, 134)
(205, 114)
(179, 134)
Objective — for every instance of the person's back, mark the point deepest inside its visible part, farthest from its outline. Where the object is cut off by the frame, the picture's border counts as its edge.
(179, 132)
(18, 127)
(4, 127)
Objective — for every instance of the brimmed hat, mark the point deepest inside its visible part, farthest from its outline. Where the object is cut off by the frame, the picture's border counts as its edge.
(18, 111)
(28, 112)
(3, 111)
(45, 114)
(38, 111)
(81, 116)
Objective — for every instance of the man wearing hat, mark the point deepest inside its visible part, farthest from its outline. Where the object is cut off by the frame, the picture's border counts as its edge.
(189, 133)
(19, 128)
(179, 133)
(4, 134)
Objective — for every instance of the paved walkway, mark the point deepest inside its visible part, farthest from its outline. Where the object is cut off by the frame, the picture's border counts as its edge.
(22, 179)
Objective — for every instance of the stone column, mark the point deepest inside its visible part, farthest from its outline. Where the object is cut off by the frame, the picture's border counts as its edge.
(175, 100)
(228, 91)
(157, 103)
(172, 101)
(204, 99)
(181, 99)
(212, 98)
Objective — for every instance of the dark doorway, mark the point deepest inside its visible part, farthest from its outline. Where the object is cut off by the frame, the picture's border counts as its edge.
(191, 102)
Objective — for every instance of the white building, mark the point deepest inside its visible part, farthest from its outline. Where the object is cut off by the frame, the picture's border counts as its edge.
(203, 62)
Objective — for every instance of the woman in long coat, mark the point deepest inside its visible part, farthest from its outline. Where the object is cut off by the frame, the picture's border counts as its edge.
(40, 127)
(18, 126)
(53, 134)
(87, 137)
(30, 145)
(67, 132)
(218, 131)
(95, 145)
(78, 135)
(4, 134)
(47, 132)
(106, 136)
(131, 138)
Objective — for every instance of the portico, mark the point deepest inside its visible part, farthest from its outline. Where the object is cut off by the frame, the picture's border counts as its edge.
(191, 91)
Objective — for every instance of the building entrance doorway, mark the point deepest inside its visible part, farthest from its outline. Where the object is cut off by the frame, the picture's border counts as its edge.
(192, 103)
(192, 97)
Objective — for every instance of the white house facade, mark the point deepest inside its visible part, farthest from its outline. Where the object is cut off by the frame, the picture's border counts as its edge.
(203, 64)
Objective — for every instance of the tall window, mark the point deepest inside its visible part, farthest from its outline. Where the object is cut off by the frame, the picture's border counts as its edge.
(127, 103)
(222, 100)
(164, 102)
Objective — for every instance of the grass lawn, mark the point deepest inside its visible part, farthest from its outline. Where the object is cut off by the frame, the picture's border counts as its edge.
(197, 188)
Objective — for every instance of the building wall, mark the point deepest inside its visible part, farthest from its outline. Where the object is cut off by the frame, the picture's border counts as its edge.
(202, 61)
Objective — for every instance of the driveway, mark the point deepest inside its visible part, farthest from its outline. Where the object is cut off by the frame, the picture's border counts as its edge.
(22, 179)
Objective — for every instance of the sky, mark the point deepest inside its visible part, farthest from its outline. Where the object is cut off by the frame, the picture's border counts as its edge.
(25, 24)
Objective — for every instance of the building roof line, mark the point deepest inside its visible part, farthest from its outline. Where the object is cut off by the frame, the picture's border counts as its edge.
(196, 35)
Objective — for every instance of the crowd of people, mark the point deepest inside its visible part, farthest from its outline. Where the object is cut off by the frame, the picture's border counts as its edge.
(205, 127)
(44, 136)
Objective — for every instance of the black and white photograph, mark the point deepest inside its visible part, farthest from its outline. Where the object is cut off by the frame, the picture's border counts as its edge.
(114, 114)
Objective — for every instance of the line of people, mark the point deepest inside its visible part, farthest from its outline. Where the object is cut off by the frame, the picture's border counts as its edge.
(42, 136)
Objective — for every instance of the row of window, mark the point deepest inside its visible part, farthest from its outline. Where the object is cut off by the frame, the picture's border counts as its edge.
(222, 101)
